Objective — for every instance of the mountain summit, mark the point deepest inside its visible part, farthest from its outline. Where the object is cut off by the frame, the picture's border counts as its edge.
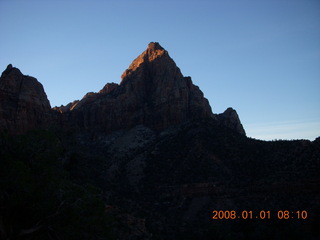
(153, 92)
(23, 102)
(152, 53)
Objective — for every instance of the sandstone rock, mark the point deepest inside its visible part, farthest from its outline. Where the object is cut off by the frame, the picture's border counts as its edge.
(68, 107)
(109, 87)
(23, 102)
(153, 92)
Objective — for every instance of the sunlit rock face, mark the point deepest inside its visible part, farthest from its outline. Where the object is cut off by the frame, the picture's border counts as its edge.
(23, 102)
(109, 87)
(166, 97)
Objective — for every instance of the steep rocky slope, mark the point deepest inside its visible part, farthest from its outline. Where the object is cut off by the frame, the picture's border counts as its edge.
(23, 102)
(153, 92)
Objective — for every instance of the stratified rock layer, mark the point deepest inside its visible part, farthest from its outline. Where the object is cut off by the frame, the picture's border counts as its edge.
(23, 102)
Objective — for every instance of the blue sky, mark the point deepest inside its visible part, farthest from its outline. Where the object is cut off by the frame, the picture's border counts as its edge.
(260, 57)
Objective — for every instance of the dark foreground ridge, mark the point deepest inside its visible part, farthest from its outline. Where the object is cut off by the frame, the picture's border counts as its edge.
(146, 159)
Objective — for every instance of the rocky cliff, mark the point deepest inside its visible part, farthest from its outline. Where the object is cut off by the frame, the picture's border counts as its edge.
(23, 102)
(230, 119)
(153, 92)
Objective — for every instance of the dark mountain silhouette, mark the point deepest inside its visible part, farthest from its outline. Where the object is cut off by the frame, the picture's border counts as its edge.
(23, 102)
(153, 93)
(146, 159)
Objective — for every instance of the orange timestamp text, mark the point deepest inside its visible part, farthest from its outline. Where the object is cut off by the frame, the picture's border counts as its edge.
(262, 214)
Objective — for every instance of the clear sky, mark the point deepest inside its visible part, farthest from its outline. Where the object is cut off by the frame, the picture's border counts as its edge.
(261, 57)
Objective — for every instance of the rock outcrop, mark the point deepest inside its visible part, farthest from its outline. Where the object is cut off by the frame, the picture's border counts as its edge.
(23, 102)
(230, 119)
(108, 88)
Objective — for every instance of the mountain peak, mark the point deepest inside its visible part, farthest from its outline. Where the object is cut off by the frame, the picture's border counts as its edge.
(9, 67)
(23, 102)
(153, 52)
(11, 70)
(155, 46)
